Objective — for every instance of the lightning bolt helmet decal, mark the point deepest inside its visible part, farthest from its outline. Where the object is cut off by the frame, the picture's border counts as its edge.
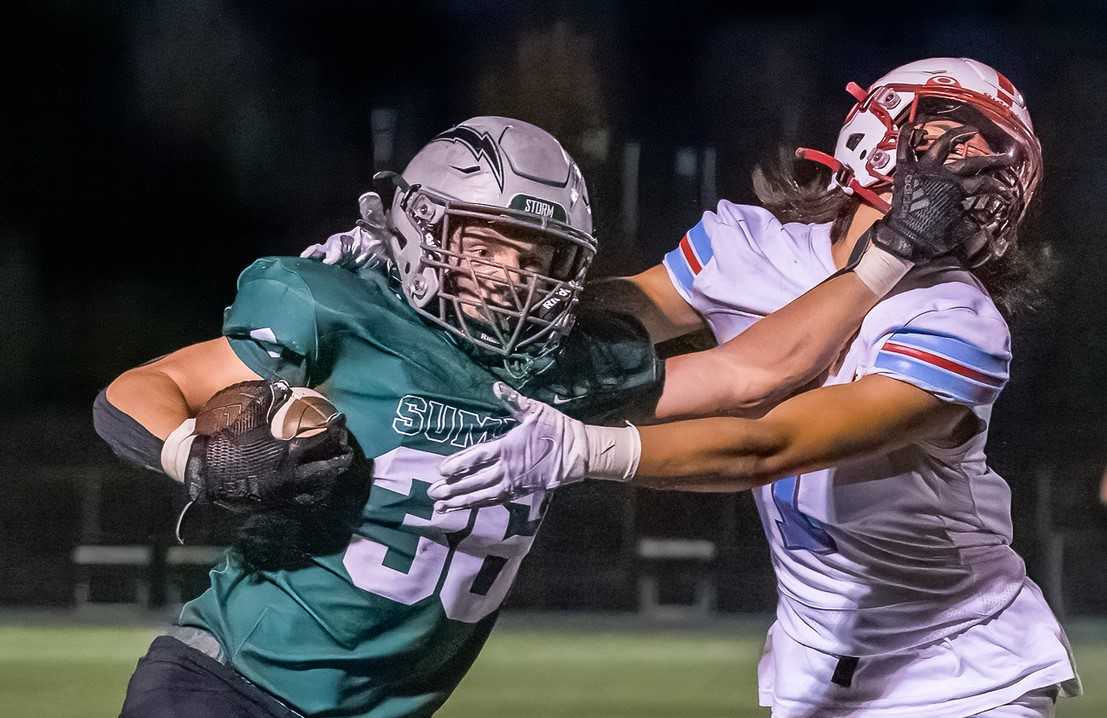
(480, 144)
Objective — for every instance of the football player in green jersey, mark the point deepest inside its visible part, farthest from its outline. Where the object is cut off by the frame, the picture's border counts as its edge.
(488, 242)
(492, 238)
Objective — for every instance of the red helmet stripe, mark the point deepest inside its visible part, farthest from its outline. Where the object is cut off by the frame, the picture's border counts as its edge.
(1006, 89)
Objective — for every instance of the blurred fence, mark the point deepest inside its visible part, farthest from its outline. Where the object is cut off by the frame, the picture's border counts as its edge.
(602, 547)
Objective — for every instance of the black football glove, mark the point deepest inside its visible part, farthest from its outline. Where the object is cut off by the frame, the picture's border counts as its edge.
(930, 197)
(242, 467)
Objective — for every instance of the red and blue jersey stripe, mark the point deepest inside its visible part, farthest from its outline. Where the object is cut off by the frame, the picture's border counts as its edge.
(944, 365)
(690, 256)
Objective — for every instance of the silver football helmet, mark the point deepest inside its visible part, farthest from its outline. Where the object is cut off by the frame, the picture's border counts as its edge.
(513, 178)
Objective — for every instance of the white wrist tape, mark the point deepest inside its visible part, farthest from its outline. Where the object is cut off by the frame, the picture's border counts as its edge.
(881, 270)
(174, 452)
(613, 451)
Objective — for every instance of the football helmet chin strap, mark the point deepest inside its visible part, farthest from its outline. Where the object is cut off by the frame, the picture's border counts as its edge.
(843, 175)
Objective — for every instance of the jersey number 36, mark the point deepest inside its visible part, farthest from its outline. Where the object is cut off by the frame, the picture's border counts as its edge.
(408, 553)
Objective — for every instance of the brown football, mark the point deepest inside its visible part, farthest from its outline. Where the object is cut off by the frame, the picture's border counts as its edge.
(223, 409)
(305, 412)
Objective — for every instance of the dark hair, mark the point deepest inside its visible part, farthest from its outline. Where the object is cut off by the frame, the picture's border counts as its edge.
(796, 191)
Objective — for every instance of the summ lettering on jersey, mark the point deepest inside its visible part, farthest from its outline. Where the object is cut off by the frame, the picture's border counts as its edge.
(443, 423)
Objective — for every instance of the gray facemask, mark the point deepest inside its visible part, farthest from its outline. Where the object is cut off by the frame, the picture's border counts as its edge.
(510, 292)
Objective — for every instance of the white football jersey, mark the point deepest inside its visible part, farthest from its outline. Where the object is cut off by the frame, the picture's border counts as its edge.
(899, 550)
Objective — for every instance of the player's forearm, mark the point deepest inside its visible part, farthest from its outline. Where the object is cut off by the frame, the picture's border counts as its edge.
(143, 415)
(796, 343)
(793, 345)
(727, 454)
(651, 298)
(719, 454)
(706, 383)
(163, 393)
(810, 431)
(139, 415)
(771, 359)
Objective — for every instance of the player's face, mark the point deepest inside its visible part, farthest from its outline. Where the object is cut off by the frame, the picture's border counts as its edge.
(977, 146)
(499, 267)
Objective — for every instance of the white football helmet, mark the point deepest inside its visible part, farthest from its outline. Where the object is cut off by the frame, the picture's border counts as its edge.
(516, 178)
(940, 87)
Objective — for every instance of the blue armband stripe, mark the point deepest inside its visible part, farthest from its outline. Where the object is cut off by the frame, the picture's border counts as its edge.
(679, 269)
(953, 348)
(701, 242)
(937, 380)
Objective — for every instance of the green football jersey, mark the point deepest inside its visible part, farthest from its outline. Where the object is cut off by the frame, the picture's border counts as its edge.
(389, 625)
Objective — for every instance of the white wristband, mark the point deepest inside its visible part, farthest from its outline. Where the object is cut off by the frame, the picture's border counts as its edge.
(613, 451)
(174, 452)
(881, 270)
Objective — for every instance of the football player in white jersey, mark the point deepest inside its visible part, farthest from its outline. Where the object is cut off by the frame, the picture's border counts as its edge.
(899, 593)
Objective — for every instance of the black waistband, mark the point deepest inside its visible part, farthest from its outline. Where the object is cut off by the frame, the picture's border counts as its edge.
(843, 672)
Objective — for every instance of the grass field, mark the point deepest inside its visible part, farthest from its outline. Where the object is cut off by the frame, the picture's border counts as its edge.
(55, 670)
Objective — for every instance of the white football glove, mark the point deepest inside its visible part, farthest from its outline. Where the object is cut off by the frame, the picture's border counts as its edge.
(364, 244)
(547, 450)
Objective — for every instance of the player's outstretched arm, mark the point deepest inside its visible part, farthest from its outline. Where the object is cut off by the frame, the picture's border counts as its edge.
(771, 359)
(811, 431)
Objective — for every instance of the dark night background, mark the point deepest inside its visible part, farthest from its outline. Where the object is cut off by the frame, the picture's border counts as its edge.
(151, 150)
